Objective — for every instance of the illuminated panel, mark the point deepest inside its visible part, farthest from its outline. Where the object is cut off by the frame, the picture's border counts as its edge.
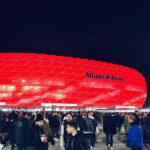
(30, 80)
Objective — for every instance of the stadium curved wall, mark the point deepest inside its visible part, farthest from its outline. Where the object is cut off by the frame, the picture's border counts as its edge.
(29, 80)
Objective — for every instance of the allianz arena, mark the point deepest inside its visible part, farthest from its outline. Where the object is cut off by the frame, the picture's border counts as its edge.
(35, 80)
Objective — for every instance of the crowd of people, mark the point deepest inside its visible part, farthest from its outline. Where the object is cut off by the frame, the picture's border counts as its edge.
(74, 130)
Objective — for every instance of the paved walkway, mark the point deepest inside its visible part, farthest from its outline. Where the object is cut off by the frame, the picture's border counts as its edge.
(118, 145)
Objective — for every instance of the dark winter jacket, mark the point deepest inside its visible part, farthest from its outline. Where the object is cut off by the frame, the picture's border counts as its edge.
(90, 127)
(66, 135)
(81, 123)
(4, 125)
(54, 121)
(78, 142)
(11, 131)
(31, 133)
(146, 130)
(94, 122)
(21, 127)
(118, 120)
(109, 125)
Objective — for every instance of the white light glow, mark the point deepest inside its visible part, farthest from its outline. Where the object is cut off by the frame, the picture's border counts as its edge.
(58, 104)
(9, 88)
(31, 88)
(2, 103)
(129, 107)
(3, 95)
(23, 81)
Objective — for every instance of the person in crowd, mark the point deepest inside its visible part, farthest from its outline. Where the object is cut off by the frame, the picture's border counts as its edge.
(118, 122)
(94, 123)
(77, 140)
(11, 131)
(21, 127)
(137, 117)
(142, 117)
(146, 132)
(98, 117)
(43, 134)
(109, 128)
(90, 129)
(4, 126)
(81, 122)
(54, 122)
(31, 133)
(135, 136)
(64, 136)
(126, 124)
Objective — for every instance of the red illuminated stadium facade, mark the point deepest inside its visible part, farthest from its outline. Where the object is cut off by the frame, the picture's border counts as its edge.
(34, 80)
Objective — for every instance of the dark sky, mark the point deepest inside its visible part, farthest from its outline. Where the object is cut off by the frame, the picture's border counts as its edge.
(111, 31)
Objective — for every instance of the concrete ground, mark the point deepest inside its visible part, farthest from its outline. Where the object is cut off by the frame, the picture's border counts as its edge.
(118, 145)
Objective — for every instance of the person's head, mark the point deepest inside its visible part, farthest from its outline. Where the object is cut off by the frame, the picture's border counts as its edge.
(78, 113)
(84, 115)
(68, 117)
(90, 113)
(131, 118)
(71, 127)
(39, 120)
(22, 114)
(55, 113)
(148, 114)
(137, 112)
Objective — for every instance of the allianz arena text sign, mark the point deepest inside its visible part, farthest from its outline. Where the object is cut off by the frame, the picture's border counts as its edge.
(103, 76)
(34, 80)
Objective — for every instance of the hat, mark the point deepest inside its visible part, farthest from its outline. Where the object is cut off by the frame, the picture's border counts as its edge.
(39, 117)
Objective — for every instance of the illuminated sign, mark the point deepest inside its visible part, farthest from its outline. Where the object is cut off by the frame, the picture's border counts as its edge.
(103, 76)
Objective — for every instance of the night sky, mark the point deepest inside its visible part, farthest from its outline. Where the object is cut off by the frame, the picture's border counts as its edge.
(111, 31)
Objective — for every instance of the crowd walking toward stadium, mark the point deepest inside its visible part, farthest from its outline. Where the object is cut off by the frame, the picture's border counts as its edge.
(73, 130)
